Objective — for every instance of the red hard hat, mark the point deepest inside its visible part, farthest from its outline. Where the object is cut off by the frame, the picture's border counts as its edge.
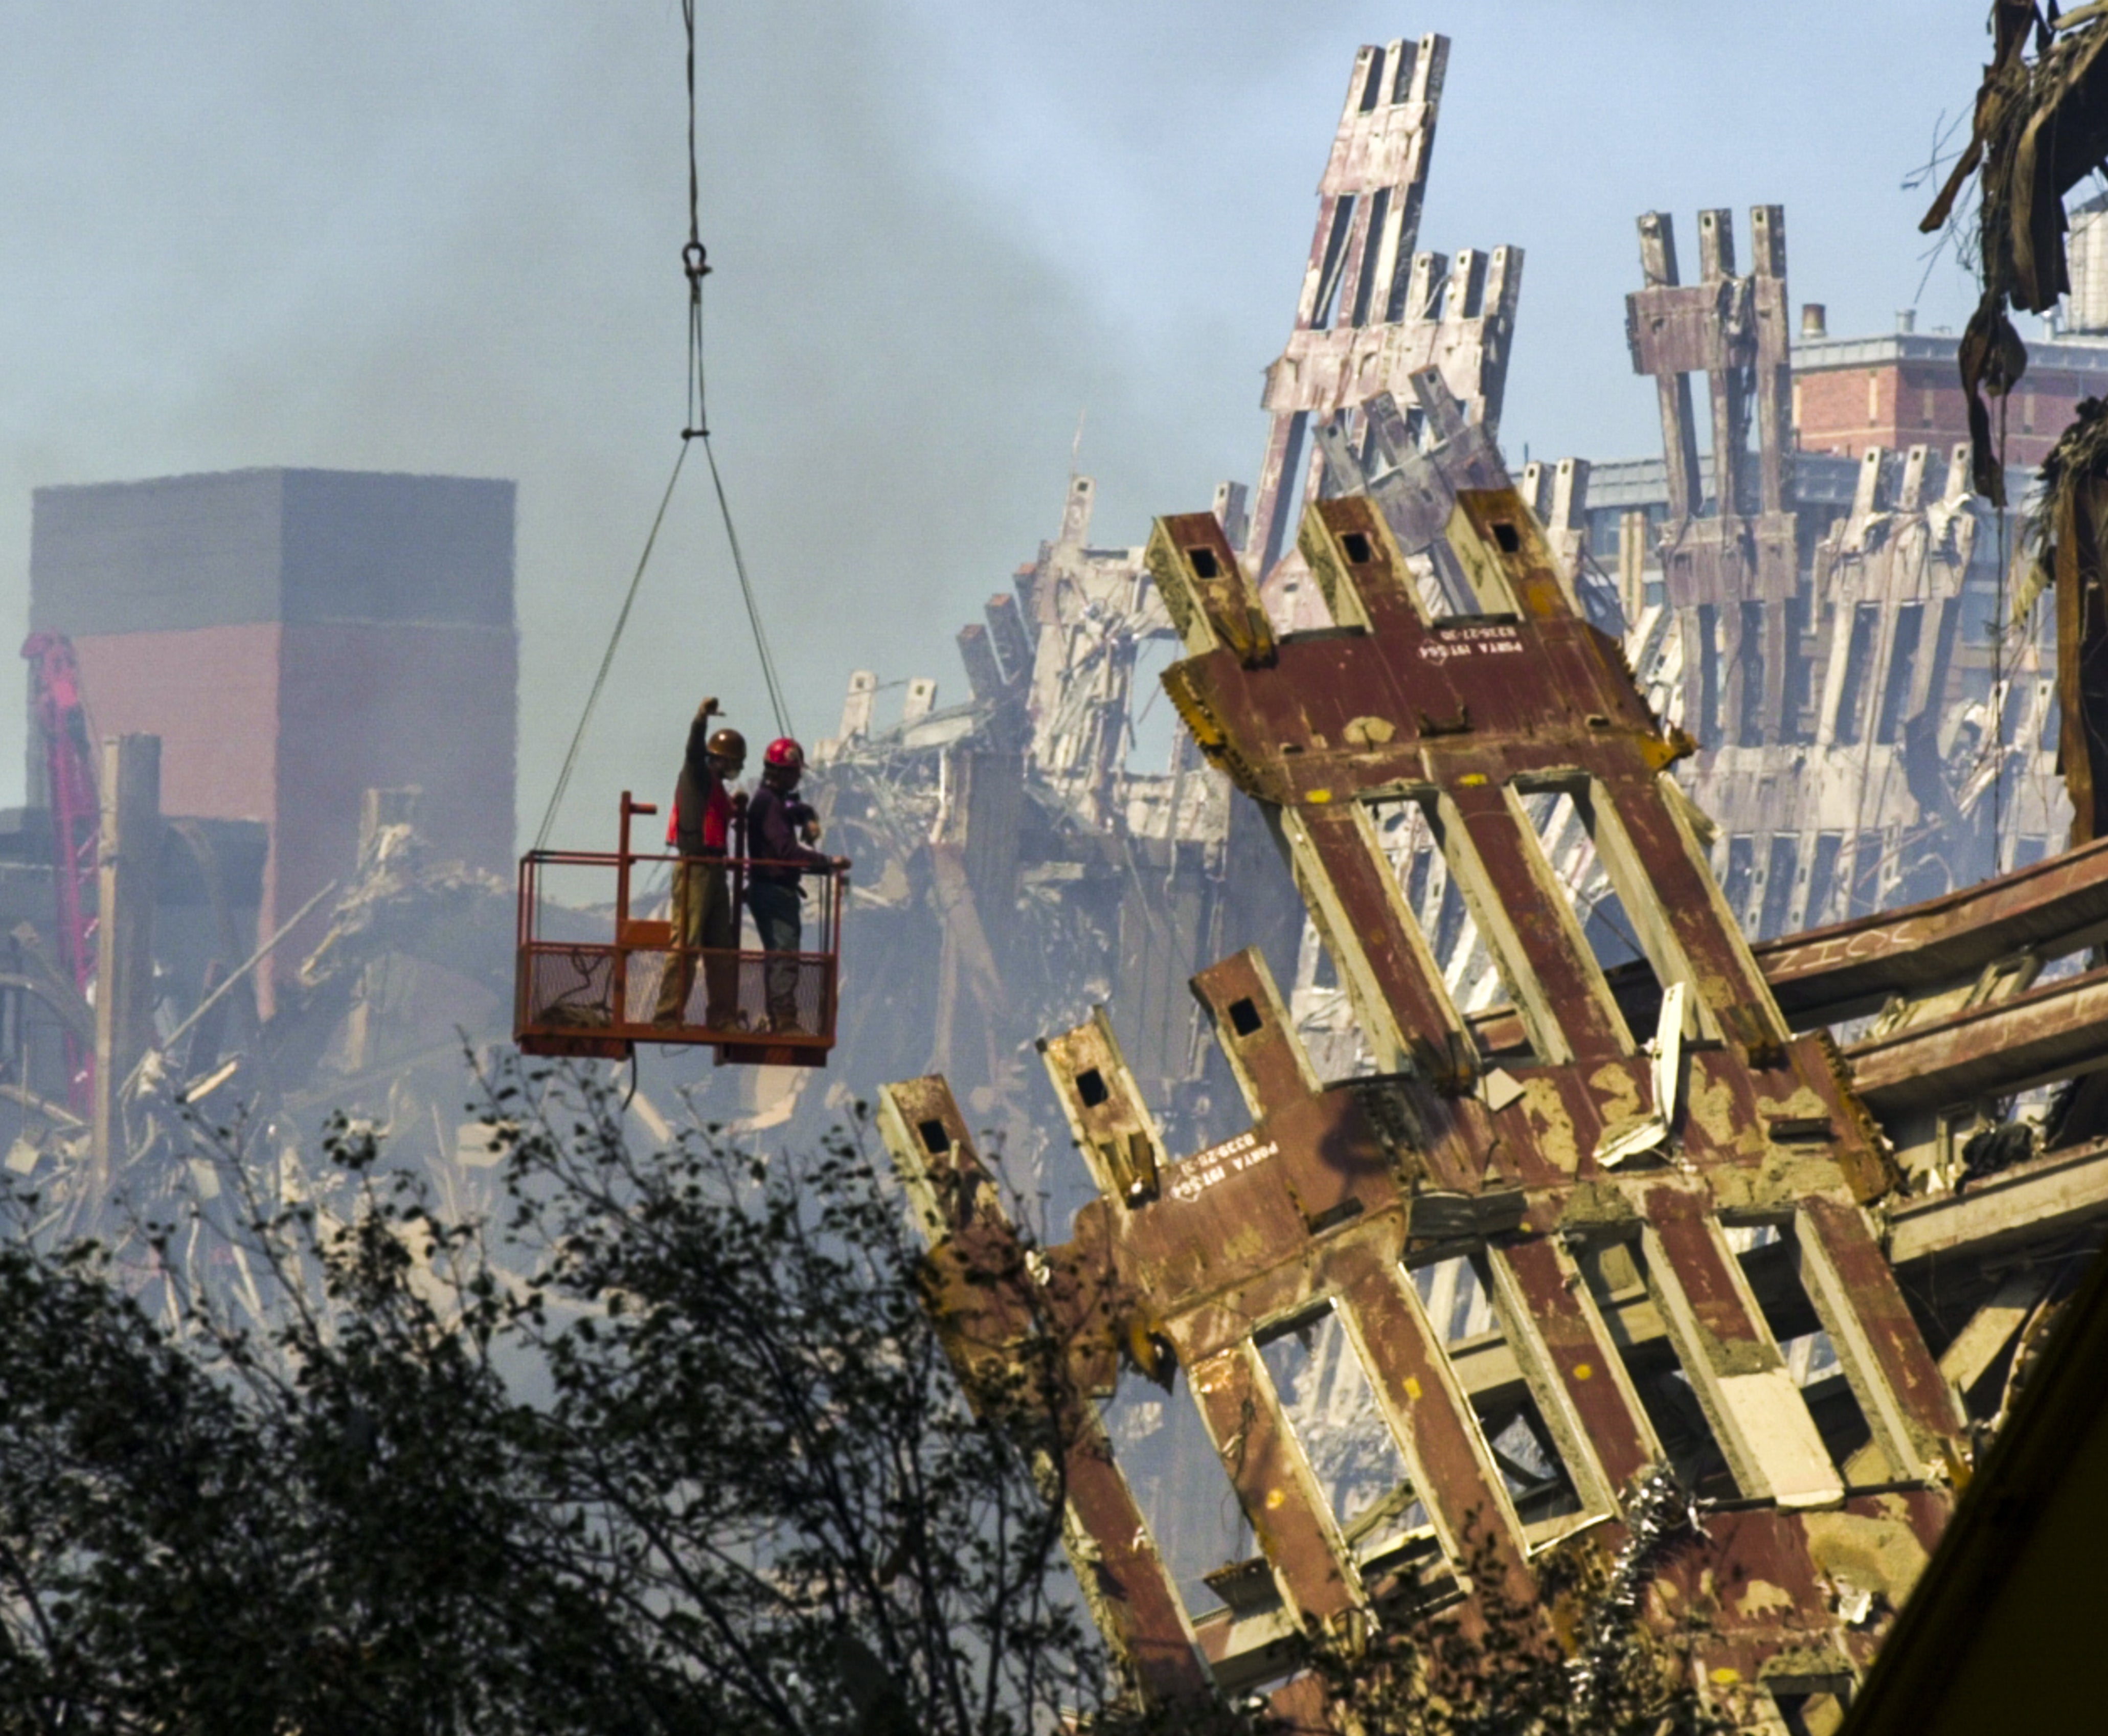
(785, 754)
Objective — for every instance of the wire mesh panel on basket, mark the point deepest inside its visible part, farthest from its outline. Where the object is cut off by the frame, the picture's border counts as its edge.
(571, 986)
(787, 993)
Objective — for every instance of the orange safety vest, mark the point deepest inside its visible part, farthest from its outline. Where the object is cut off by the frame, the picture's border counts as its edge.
(717, 819)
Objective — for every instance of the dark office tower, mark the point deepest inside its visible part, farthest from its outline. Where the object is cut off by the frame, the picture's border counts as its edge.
(296, 637)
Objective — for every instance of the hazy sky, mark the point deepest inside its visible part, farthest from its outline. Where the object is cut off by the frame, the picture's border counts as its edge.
(444, 235)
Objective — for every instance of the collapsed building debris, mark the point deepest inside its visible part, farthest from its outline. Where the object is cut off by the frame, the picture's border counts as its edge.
(1378, 321)
(2040, 128)
(1566, 1166)
(1534, 1114)
(1014, 839)
(235, 678)
(1872, 727)
(1688, 1058)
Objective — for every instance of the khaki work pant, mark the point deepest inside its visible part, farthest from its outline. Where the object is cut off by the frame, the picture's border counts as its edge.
(703, 917)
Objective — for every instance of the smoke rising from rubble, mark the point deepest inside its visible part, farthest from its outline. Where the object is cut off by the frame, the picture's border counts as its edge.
(397, 236)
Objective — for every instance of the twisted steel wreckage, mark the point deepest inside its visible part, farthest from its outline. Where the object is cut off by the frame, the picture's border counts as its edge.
(1643, 1010)
(1689, 1056)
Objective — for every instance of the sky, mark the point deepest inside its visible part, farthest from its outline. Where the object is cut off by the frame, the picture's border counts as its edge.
(444, 235)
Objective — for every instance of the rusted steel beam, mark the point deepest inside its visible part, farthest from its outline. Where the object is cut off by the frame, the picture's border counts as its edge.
(1905, 1399)
(2035, 1201)
(1729, 1353)
(1428, 1412)
(1319, 1205)
(1560, 1342)
(1205, 589)
(1274, 1483)
(983, 1297)
(2047, 1034)
(1565, 1001)
(1251, 1025)
(2051, 906)
(1112, 1125)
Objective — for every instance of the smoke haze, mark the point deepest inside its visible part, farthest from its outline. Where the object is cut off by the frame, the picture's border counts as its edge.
(445, 237)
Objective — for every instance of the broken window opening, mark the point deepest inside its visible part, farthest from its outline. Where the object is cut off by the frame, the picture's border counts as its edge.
(1822, 879)
(1371, 455)
(1163, 1448)
(1644, 919)
(1569, 844)
(1800, 694)
(1456, 936)
(1439, 583)
(1333, 269)
(1398, 305)
(1091, 1087)
(1866, 861)
(1401, 84)
(1288, 490)
(1372, 246)
(1749, 725)
(1154, 733)
(1458, 1295)
(1858, 654)
(1708, 720)
(1529, 1464)
(1771, 1260)
(1455, 931)
(1422, 860)
(1903, 664)
(1459, 1305)
(1616, 1275)
(1435, 900)
(1372, 86)
(1741, 875)
(1783, 859)
(1324, 973)
(1330, 1406)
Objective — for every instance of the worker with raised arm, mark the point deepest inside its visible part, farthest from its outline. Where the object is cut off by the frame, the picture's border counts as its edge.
(780, 830)
(701, 829)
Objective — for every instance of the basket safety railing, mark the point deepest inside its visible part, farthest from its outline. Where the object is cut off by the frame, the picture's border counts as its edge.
(595, 977)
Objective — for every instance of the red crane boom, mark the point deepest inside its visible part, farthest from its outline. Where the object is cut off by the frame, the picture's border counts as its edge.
(76, 820)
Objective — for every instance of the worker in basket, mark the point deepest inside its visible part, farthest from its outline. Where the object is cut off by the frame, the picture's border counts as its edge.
(780, 832)
(704, 918)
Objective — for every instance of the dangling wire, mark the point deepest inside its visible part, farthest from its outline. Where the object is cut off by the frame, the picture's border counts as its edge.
(695, 265)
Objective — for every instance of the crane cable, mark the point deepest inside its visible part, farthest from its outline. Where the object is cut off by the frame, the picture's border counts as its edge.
(695, 265)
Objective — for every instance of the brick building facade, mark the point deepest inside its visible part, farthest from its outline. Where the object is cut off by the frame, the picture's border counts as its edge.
(1904, 389)
(296, 637)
